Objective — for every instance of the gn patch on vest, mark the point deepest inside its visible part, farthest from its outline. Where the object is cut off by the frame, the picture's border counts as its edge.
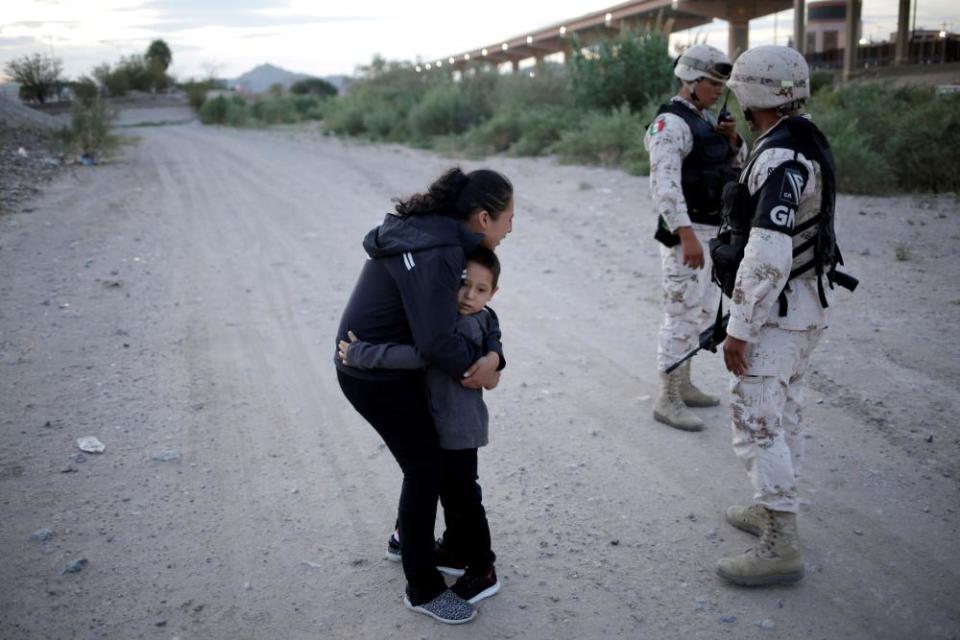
(780, 197)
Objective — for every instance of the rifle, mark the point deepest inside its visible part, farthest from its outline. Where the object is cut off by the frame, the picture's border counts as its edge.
(710, 339)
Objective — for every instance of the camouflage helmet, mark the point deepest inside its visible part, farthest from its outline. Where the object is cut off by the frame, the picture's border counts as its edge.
(702, 61)
(770, 76)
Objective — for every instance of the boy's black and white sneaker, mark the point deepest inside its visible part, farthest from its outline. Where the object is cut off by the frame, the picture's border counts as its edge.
(474, 588)
(447, 563)
(447, 607)
(393, 549)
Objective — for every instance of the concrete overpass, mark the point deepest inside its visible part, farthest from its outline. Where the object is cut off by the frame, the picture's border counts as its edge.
(667, 16)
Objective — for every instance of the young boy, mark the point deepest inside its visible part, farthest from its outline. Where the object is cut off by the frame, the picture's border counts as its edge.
(461, 420)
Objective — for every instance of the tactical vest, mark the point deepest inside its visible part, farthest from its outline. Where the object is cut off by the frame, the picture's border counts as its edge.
(706, 168)
(814, 238)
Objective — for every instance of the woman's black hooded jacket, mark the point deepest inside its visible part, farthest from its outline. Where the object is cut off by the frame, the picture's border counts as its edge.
(407, 294)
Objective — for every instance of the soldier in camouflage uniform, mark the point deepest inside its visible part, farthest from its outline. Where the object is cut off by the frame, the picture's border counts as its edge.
(778, 304)
(691, 157)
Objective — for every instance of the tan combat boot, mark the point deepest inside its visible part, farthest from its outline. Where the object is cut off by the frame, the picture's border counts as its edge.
(691, 395)
(669, 408)
(750, 519)
(774, 560)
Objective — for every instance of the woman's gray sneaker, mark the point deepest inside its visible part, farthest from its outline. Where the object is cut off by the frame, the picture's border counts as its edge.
(447, 607)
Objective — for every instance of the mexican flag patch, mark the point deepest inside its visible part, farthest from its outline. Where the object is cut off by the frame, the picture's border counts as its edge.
(656, 126)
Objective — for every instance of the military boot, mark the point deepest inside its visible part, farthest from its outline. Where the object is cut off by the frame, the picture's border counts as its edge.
(669, 408)
(750, 519)
(775, 559)
(691, 395)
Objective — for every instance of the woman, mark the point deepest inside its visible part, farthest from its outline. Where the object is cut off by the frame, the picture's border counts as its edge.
(407, 294)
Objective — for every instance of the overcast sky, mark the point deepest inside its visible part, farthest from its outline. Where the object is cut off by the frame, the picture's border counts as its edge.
(326, 38)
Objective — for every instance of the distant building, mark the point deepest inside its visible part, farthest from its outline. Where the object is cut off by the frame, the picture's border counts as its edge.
(826, 26)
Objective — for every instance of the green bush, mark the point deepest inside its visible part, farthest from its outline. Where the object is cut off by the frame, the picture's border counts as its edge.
(344, 116)
(224, 110)
(85, 90)
(276, 110)
(924, 151)
(860, 169)
(117, 82)
(604, 138)
(197, 91)
(821, 80)
(238, 113)
(89, 128)
(542, 129)
(521, 132)
(378, 105)
(878, 149)
(305, 103)
(448, 108)
(549, 86)
(497, 134)
(631, 68)
(313, 86)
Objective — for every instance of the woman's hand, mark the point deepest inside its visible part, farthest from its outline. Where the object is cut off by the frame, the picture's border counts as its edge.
(483, 373)
(343, 347)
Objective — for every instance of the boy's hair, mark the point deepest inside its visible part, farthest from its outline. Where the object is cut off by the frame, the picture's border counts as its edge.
(486, 258)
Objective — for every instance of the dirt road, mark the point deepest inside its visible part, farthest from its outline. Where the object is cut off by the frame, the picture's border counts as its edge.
(180, 304)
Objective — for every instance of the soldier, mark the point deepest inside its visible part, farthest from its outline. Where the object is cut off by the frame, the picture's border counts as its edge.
(779, 302)
(692, 156)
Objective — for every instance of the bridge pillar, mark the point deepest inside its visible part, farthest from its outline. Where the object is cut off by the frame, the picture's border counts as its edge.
(903, 34)
(853, 38)
(738, 38)
(800, 25)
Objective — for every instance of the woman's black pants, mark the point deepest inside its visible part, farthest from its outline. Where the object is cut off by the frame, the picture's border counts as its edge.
(398, 410)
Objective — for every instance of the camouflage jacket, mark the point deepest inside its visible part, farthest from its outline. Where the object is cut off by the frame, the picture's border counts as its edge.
(790, 189)
(668, 141)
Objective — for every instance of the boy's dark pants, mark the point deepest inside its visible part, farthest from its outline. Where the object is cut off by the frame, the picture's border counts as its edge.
(467, 534)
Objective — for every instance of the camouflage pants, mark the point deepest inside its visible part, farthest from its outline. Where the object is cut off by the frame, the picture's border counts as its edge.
(766, 406)
(689, 300)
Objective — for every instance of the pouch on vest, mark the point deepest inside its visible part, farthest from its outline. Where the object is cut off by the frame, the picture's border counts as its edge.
(726, 250)
(664, 236)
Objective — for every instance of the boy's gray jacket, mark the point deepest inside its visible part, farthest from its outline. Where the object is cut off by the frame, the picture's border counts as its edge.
(459, 413)
(407, 294)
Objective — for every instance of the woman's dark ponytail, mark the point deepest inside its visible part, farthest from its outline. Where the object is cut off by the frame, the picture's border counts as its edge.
(459, 195)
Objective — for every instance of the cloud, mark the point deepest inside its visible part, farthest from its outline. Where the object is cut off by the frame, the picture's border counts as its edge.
(179, 14)
(243, 21)
(19, 41)
(39, 24)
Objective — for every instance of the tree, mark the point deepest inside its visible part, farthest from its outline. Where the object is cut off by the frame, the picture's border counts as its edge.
(38, 75)
(632, 68)
(101, 72)
(159, 55)
(85, 90)
(313, 86)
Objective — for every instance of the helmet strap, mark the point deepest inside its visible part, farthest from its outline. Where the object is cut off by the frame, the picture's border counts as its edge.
(786, 109)
(694, 98)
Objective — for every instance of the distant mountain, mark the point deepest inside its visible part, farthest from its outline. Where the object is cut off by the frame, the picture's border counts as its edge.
(260, 79)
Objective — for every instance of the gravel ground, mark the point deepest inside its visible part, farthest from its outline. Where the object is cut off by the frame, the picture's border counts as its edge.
(180, 305)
